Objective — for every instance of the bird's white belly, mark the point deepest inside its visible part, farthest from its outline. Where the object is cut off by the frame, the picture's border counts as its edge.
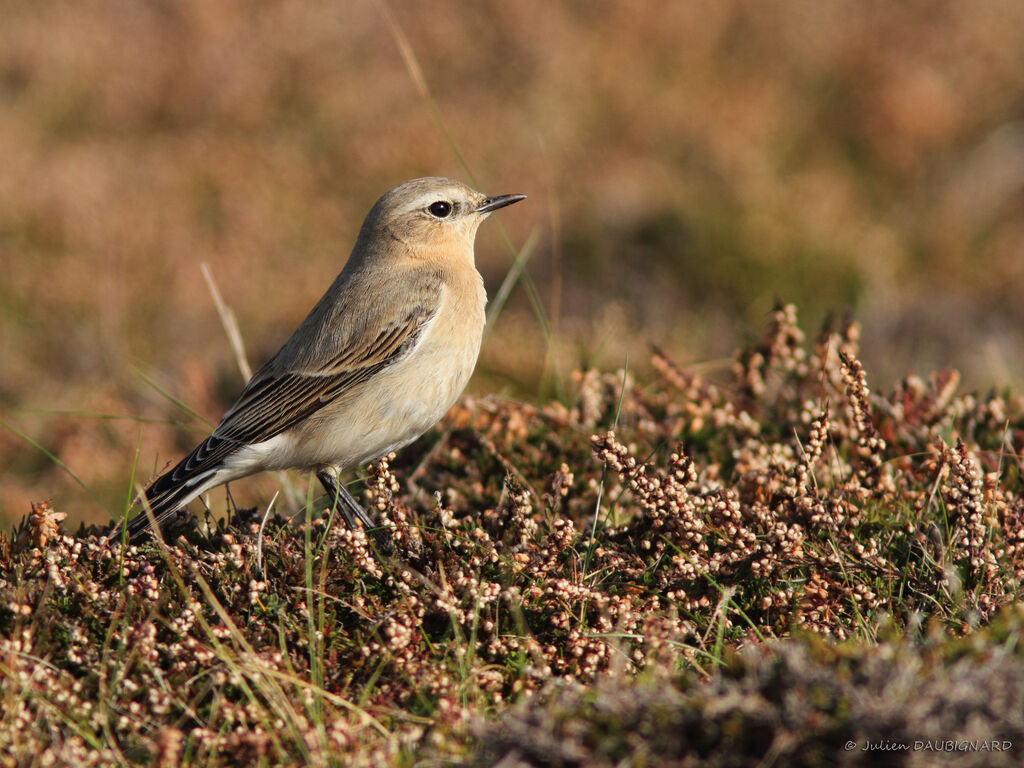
(411, 400)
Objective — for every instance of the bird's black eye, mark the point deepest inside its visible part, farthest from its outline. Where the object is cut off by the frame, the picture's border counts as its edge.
(442, 209)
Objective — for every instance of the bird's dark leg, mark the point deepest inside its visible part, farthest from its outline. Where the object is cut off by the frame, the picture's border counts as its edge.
(351, 510)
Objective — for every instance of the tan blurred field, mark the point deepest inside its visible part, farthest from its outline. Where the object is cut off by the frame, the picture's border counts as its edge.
(686, 164)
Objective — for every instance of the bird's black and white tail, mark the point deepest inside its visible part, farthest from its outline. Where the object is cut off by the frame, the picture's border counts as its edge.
(170, 492)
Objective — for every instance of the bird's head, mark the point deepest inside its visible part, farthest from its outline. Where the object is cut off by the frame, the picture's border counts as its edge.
(431, 216)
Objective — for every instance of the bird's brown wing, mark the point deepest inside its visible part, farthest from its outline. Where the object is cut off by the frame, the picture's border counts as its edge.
(273, 402)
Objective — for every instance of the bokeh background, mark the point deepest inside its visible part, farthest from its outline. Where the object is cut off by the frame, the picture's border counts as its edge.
(687, 163)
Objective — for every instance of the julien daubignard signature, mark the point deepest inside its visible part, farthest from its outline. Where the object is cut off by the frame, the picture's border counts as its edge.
(931, 745)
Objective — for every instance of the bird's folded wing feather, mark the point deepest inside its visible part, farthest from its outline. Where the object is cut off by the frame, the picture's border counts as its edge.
(278, 397)
(273, 402)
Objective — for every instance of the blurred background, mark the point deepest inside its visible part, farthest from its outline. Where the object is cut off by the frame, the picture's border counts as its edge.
(687, 163)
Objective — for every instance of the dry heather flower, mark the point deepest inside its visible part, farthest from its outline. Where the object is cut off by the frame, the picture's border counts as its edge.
(558, 486)
(871, 447)
(812, 449)
(963, 492)
(778, 350)
(169, 743)
(355, 544)
(43, 525)
(590, 398)
(515, 515)
(1011, 521)
(382, 495)
(384, 485)
(830, 345)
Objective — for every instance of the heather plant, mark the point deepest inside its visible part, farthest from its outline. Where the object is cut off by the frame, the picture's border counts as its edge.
(553, 562)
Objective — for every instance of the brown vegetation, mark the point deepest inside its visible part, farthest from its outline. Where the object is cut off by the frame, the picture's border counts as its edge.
(686, 162)
(646, 529)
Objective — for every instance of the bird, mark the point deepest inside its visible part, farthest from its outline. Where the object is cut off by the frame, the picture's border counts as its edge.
(377, 362)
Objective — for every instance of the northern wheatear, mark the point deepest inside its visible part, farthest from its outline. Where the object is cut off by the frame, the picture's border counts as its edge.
(375, 364)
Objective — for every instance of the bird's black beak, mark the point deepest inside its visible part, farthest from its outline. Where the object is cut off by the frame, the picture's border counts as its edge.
(498, 201)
